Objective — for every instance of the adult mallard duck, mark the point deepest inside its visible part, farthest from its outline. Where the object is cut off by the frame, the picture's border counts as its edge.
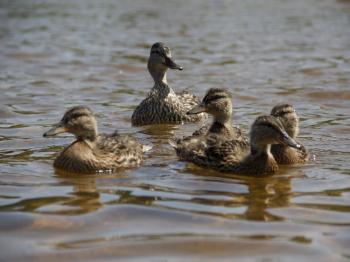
(282, 153)
(228, 156)
(163, 105)
(93, 152)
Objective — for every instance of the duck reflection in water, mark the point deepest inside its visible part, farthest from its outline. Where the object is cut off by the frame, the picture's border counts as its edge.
(264, 193)
(85, 197)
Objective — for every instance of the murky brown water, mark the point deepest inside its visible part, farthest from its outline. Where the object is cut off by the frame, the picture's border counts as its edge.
(56, 54)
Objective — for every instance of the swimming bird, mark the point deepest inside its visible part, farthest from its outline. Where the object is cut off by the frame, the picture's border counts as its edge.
(94, 152)
(284, 154)
(162, 105)
(218, 103)
(227, 155)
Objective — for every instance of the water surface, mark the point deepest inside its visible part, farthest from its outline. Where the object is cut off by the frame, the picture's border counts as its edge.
(57, 54)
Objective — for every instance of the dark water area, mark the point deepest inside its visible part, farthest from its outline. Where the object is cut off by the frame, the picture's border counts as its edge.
(57, 54)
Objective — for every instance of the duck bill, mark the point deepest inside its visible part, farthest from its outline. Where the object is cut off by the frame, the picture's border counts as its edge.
(288, 141)
(170, 63)
(197, 109)
(57, 129)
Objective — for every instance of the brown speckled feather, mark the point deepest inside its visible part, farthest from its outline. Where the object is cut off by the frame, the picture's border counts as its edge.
(211, 150)
(235, 156)
(188, 100)
(234, 133)
(165, 107)
(108, 152)
(93, 152)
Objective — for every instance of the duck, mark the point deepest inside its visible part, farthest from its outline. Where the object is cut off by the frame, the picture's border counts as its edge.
(227, 155)
(162, 105)
(218, 103)
(93, 152)
(283, 154)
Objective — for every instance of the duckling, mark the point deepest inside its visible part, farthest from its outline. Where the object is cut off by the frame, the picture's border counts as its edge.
(285, 154)
(266, 130)
(218, 103)
(94, 152)
(163, 105)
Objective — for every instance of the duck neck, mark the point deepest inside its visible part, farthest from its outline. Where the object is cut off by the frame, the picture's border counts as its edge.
(158, 72)
(161, 88)
(224, 120)
(260, 161)
(159, 77)
(222, 124)
(89, 138)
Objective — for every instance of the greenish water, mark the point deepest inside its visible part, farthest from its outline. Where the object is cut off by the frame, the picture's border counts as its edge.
(56, 54)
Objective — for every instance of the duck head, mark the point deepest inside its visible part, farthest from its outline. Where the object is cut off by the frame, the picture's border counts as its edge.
(78, 121)
(159, 61)
(267, 130)
(288, 117)
(217, 102)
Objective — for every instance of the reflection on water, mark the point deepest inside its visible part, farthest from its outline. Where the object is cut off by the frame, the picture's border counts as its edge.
(54, 55)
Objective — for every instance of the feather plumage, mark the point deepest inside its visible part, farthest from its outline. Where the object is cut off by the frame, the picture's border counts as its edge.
(162, 105)
(223, 147)
(93, 152)
(283, 154)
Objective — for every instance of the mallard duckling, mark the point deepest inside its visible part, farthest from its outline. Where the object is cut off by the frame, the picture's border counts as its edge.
(218, 103)
(266, 130)
(162, 105)
(93, 152)
(285, 154)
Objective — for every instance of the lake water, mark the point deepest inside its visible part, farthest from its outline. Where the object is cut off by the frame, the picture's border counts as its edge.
(57, 54)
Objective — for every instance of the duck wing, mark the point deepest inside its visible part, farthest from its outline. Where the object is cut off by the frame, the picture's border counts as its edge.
(188, 100)
(211, 151)
(202, 131)
(227, 152)
(116, 150)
